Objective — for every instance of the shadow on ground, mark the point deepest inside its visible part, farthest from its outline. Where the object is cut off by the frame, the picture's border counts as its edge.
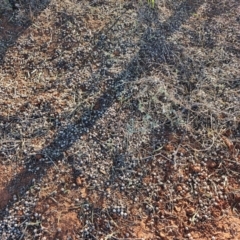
(154, 48)
(15, 18)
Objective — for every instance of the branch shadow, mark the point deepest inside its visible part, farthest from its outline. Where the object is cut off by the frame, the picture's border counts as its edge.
(15, 18)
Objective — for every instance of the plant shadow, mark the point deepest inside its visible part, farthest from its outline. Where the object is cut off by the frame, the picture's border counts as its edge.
(15, 19)
(154, 48)
(157, 51)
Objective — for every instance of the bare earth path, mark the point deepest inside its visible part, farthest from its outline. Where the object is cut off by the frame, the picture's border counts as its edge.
(120, 121)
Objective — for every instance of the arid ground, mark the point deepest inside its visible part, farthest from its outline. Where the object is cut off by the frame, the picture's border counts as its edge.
(119, 120)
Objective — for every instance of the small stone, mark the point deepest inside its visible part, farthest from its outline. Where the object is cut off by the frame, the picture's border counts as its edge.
(196, 168)
(177, 209)
(102, 171)
(78, 181)
(190, 211)
(169, 147)
(179, 188)
(211, 164)
(162, 235)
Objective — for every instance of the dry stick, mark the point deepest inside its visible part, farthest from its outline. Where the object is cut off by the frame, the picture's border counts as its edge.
(106, 32)
(51, 160)
(206, 149)
(158, 154)
(89, 54)
(175, 152)
(24, 231)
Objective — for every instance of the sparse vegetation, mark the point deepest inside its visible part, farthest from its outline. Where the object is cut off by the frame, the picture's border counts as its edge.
(120, 120)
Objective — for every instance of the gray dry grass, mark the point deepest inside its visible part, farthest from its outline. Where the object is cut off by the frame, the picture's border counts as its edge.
(118, 120)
